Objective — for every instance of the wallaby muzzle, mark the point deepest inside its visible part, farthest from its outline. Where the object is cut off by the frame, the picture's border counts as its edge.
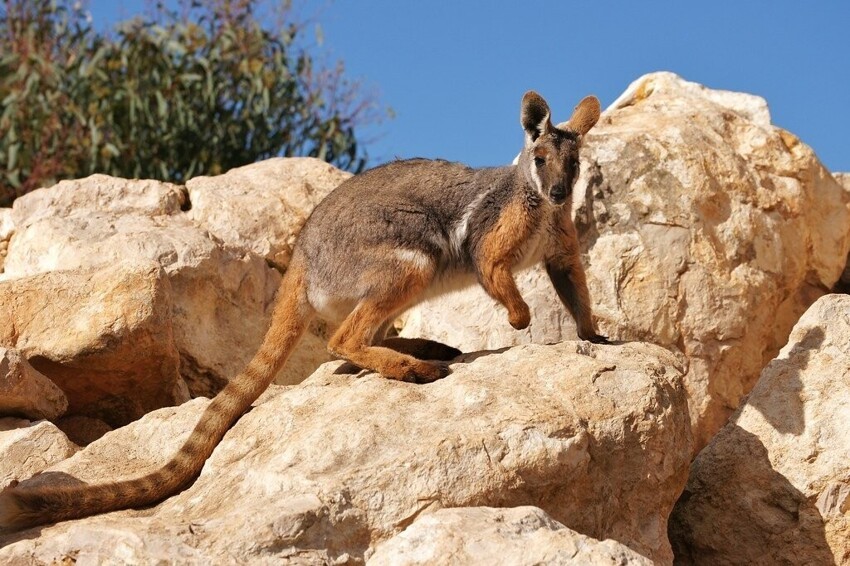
(558, 194)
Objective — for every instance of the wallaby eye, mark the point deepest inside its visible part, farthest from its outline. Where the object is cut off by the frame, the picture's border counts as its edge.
(539, 161)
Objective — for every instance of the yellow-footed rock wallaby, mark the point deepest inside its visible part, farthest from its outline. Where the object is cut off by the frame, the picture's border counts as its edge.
(381, 242)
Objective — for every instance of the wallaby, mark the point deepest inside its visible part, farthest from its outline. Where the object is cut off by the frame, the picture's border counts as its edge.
(381, 242)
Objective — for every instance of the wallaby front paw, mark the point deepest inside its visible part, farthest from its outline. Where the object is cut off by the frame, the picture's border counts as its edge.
(596, 339)
(520, 318)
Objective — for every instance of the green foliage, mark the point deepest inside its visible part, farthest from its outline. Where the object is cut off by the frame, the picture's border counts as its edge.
(167, 96)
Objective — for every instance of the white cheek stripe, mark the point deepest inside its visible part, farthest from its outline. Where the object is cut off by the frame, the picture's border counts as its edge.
(536, 177)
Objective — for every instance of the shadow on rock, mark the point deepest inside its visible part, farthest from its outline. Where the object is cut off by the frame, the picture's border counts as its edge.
(736, 509)
(782, 405)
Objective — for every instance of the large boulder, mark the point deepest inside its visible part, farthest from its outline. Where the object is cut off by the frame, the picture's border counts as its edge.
(596, 436)
(26, 392)
(261, 207)
(773, 487)
(704, 229)
(104, 336)
(222, 294)
(485, 535)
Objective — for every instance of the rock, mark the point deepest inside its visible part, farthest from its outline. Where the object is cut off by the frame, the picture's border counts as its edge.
(471, 320)
(484, 535)
(704, 229)
(843, 285)
(222, 295)
(773, 487)
(81, 430)
(596, 436)
(24, 392)
(27, 448)
(261, 207)
(7, 225)
(707, 230)
(100, 193)
(103, 336)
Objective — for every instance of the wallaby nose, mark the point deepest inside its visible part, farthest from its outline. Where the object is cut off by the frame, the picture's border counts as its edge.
(558, 194)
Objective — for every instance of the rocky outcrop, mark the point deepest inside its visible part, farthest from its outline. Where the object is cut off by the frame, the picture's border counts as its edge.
(596, 436)
(704, 229)
(220, 294)
(484, 535)
(773, 487)
(27, 448)
(262, 207)
(104, 336)
(24, 392)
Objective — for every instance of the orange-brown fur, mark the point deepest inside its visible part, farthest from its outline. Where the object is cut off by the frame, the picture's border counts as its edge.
(499, 250)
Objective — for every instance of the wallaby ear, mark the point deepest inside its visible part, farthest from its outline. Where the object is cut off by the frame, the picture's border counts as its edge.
(534, 116)
(585, 115)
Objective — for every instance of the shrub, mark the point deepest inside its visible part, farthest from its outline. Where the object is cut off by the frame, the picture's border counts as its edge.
(175, 94)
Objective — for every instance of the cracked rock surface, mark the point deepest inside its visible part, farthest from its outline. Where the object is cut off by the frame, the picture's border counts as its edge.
(596, 436)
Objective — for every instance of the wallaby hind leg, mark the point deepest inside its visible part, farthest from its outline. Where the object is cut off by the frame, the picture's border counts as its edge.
(422, 348)
(353, 342)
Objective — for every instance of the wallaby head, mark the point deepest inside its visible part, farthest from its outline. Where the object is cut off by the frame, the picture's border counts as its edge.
(549, 160)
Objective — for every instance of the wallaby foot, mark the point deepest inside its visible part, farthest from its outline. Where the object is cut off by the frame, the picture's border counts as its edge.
(596, 339)
(422, 348)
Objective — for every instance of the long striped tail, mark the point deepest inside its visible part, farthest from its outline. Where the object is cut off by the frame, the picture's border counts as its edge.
(22, 507)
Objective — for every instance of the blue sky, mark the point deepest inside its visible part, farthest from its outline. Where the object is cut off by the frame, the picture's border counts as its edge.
(454, 72)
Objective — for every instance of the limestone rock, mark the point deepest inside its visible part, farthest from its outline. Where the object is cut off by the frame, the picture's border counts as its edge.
(708, 230)
(24, 392)
(703, 229)
(27, 448)
(100, 193)
(7, 225)
(596, 436)
(103, 336)
(82, 430)
(843, 285)
(484, 535)
(222, 295)
(471, 320)
(262, 207)
(773, 487)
